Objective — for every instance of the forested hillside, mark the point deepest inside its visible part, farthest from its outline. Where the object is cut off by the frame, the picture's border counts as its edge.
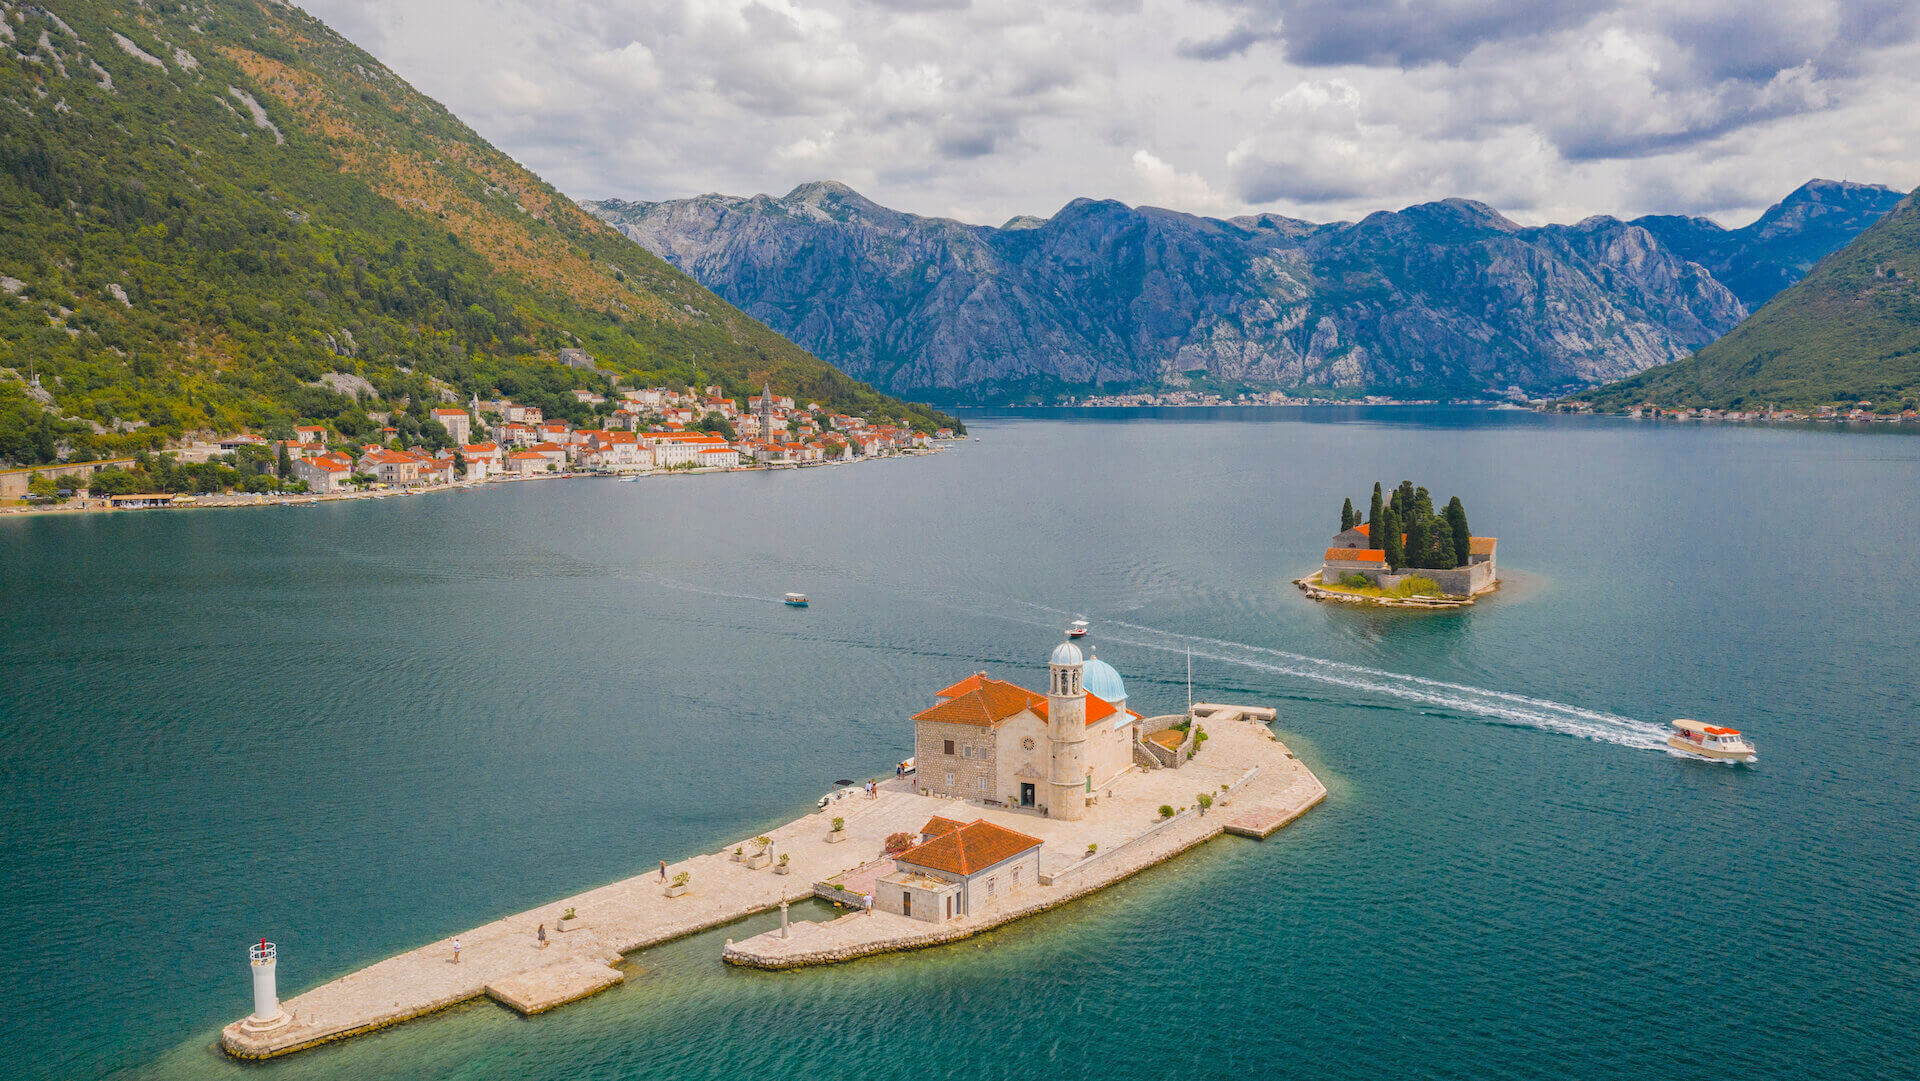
(1848, 332)
(221, 215)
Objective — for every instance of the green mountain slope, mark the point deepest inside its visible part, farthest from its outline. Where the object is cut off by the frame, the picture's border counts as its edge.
(1849, 331)
(208, 207)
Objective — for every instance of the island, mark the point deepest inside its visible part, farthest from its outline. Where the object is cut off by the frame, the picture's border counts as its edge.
(1404, 555)
(1021, 801)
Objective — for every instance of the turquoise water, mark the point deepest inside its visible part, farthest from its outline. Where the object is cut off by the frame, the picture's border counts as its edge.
(357, 727)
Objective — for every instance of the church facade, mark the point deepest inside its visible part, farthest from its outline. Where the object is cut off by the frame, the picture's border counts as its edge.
(989, 740)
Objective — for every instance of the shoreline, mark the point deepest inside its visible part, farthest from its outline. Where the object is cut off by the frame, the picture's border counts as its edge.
(1262, 787)
(1319, 591)
(243, 500)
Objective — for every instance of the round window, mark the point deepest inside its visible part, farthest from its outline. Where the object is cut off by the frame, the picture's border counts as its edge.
(1027, 743)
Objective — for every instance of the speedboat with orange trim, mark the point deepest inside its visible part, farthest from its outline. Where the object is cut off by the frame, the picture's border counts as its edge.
(1711, 742)
(1077, 629)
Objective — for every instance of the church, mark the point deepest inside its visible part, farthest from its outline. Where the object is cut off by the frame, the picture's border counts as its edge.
(989, 740)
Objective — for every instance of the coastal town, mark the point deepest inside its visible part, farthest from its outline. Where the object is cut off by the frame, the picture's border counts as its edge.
(1014, 802)
(647, 430)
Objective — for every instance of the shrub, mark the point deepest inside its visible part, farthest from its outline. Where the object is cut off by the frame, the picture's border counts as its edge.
(1355, 580)
(680, 879)
(1092, 848)
(783, 859)
(839, 824)
(1419, 585)
(763, 841)
(899, 842)
(1204, 800)
(1166, 810)
(567, 915)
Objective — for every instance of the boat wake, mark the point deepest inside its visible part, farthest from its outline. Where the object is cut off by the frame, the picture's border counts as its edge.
(1498, 707)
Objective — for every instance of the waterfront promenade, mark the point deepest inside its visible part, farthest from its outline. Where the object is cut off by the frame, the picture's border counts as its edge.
(1266, 787)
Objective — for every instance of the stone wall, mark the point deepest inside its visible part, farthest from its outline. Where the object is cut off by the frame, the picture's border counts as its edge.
(967, 773)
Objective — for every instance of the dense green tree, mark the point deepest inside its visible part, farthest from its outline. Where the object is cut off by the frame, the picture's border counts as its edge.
(1374, 512)
(717, 423)
(41, 486)
(1458, 532)
(1387, 536)
(285, 465)
(1417, 546)
(1346, 516)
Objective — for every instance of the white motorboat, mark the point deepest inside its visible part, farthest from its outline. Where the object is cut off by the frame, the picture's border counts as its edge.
(1711, 742)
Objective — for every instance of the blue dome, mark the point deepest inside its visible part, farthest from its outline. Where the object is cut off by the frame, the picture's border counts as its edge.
(1065, 655)
(1101, 679)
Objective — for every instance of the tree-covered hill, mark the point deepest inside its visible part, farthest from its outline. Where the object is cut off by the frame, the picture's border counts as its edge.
(1847, 332)
(208, 207)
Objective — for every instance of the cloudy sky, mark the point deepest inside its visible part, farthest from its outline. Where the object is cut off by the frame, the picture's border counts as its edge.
(1323, 109)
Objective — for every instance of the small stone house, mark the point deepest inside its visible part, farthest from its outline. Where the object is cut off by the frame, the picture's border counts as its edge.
(958, 869)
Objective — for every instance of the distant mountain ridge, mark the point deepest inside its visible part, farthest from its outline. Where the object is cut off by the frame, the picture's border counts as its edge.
(1848, 332)
(1444, 298)
(1758, 260)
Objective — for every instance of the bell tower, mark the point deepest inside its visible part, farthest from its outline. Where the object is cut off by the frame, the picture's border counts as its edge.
(1066, 734)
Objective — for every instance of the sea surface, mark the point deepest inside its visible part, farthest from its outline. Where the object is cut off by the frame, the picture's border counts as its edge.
(357, 727)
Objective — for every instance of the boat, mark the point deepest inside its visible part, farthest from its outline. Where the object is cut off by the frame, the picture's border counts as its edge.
(796, 600)
(1710, 742)
(1077, 629)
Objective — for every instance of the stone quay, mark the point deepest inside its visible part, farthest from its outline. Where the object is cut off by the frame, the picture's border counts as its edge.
(1256, 784)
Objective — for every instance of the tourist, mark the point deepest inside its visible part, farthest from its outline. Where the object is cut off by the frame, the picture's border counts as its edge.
(866, 901)
(456, 951)
(663, 870)
(542, 936)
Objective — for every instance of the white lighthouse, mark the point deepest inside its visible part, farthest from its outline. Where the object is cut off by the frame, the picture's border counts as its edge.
(1066, 734)
(267, 1013)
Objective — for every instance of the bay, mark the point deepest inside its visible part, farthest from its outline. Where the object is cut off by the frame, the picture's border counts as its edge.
(356, 727)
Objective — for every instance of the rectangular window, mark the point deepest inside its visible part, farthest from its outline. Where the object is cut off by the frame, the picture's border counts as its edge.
(966, 752)
(983, 784)
(989, 887)
(949, 744)
(949, 780)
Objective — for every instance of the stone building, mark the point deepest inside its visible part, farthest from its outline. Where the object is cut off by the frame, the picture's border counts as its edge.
(957, 868)
(990, 740)
(1353, 552)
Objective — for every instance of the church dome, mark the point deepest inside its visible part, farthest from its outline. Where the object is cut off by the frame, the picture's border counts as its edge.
(1065, 655)
(1103, 680)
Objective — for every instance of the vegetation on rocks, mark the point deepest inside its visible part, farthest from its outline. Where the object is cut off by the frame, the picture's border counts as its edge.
(237, 219)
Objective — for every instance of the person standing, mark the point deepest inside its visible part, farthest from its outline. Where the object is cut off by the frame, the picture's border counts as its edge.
(456, 951)
(542, 936)
(866, 901)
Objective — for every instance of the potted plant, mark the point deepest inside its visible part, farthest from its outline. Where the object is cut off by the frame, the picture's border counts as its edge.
(761, 856)
(839, 831)
(678, 885)
(569, 920)
(739, 853)
(781, 868)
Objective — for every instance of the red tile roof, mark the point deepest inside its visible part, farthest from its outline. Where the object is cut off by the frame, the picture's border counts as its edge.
(976, 846)
(1481, 546)
(1098, 708)
(985, 706)
(938, 825)
(1357, 555)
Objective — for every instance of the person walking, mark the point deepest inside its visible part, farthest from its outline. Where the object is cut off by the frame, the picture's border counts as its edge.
(542, 936)
(663, 870)
(456, 951)
(866, 901)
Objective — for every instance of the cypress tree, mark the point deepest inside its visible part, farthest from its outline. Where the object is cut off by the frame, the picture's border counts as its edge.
(1422, 502)
(1462, 536)
(1346, 516)
(285, 464)
(1374, 514)
(1416, 554)
(1387, 537)
(1440, 544)
(1403, 500)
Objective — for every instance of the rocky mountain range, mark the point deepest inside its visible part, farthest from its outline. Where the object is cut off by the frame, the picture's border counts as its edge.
(1446, 298)
(1848, 333)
